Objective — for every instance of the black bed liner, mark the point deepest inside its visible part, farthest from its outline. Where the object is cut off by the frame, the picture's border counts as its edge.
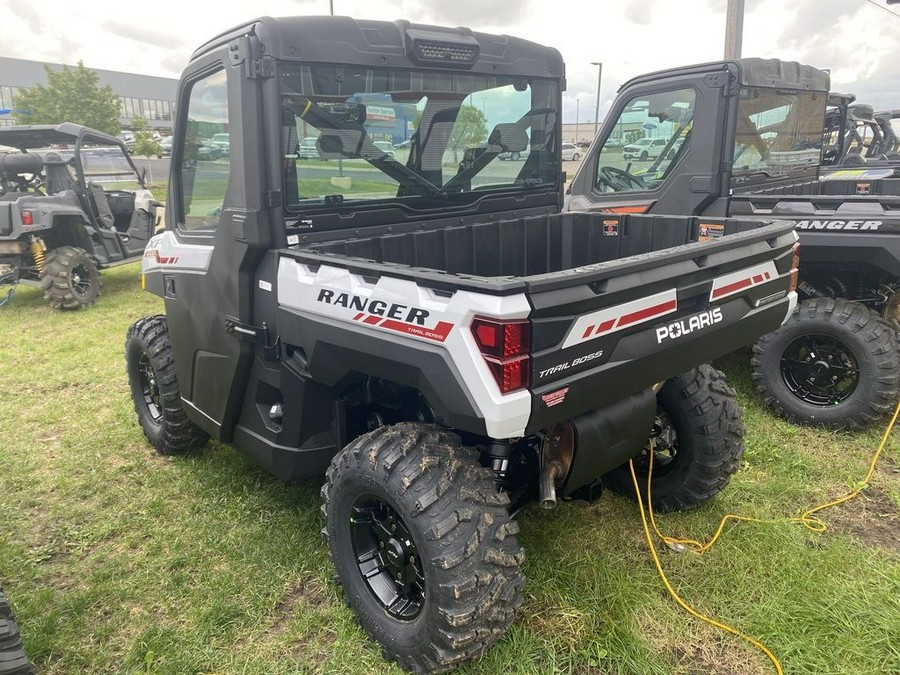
(541, 253)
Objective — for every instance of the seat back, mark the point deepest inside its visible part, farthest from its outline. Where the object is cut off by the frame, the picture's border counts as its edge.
(100, 204)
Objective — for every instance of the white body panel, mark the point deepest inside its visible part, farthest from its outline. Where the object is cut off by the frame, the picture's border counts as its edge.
(164, 252)
(447, 325)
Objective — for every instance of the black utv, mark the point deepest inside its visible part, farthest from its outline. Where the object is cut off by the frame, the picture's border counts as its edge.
(427, 329)
(71, 203)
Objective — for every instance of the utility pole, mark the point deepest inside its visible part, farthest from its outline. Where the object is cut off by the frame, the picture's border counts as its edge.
(331, 7)
(597, 110)
(577, 103)
(734, 29)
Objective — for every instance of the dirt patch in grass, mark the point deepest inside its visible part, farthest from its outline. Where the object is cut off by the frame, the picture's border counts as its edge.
(695, 648)
(307, 591)
(710, 656)
(555, 621)
(872, 518)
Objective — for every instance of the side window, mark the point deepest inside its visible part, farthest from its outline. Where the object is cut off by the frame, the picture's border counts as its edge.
(649, 136)
(205, 163)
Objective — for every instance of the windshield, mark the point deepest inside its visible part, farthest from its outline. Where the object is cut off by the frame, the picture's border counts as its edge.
(364, 134)
(778, 131)
(108, 163)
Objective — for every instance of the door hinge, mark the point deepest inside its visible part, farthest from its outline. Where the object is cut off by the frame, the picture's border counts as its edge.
(261, 67)
(242, 50)
(272, 198)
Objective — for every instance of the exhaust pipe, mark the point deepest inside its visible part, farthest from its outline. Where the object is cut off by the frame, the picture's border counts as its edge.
(547, 483)
(557, 452)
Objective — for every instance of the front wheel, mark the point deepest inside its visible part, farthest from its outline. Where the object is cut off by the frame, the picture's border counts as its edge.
(698, 442)
(423, 544)
(834, 363)
(154, 388)
(70, 279)
(576, 157)
(644, 156)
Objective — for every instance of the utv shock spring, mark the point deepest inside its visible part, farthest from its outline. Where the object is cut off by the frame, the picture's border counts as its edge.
(37, 253)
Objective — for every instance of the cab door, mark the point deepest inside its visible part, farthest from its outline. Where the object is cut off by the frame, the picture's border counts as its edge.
(215, 215)
(680, 120)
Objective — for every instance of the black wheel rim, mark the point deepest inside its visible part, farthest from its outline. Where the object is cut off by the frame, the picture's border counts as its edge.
(665, 447)
(149, 388)
(81, 279)
(387, 558)
(820, 370)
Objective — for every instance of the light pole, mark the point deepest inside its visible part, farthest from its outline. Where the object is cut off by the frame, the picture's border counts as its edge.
(331, 7)
(597, 111)
(577, 103)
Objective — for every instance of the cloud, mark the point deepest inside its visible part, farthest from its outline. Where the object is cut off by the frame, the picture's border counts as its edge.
(639, 12)
(142, 34)
(30, 17)
(472, 13)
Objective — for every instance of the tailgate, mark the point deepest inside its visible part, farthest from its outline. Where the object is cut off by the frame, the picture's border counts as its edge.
(604, 331)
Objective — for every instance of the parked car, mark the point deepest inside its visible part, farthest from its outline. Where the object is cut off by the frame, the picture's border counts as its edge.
(221, 143)
(306, 148)
(386, 146)
(644, 148)
(570, 151)
(165, 147)
(128, 140)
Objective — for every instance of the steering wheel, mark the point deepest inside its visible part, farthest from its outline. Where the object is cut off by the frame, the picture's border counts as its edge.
(620, 180)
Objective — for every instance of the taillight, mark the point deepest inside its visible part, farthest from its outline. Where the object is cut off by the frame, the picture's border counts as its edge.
(27, 218)
(795, 266)
(504, 346)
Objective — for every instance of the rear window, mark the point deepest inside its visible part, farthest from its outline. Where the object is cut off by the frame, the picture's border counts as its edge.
(778, 131)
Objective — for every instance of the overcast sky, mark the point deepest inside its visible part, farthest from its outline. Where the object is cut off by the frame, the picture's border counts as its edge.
(857, 40)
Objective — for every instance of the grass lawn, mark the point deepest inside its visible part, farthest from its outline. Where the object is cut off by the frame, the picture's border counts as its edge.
(118, 560)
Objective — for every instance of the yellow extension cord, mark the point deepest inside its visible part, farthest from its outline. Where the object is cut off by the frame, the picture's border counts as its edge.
(806, 519)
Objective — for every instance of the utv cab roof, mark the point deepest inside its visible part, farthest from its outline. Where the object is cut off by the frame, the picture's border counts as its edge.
(753, 72)
(41, 135)
(342, 40)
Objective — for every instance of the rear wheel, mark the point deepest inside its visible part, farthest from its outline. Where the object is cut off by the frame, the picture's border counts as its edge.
(154, 388)
(698, 442)
(13, 660)
(70, 279)
(575, 157)
(423, 544)
(834, 363)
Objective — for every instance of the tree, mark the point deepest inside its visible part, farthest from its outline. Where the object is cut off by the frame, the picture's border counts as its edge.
(470, 129)
(70, 96)
(144, 143)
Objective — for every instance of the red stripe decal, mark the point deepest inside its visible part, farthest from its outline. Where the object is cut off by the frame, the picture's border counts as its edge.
(768, 276)
(647, 313)
(758, 279)
(359, 316)
(372, 320)
(731, 288)
(605, 326)
(588, 331)
(439, 333)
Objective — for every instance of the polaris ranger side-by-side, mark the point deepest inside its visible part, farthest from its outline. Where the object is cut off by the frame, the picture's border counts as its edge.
(424, 326)
(71, 202)
(744, 140)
